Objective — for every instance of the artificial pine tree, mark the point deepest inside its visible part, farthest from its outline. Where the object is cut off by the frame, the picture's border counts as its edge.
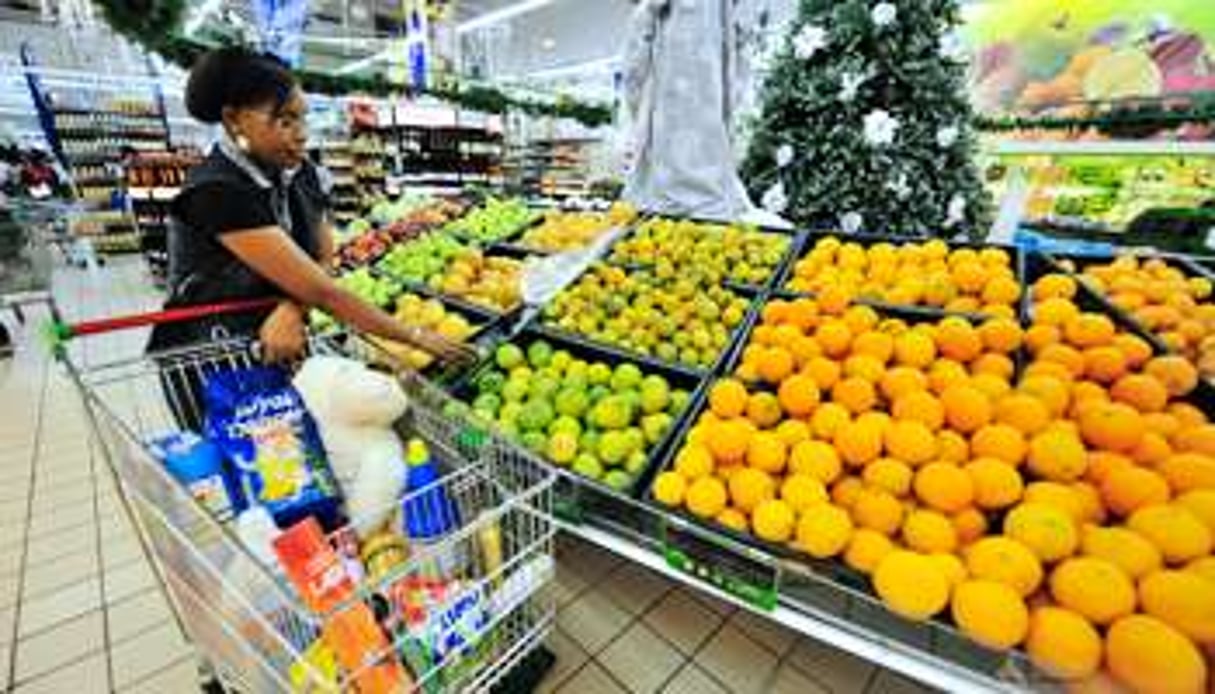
(864, 122)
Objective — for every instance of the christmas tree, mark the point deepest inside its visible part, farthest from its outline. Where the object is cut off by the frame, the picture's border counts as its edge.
(864, 122)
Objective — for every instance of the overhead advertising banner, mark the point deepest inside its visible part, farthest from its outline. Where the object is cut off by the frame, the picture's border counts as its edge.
(280, 25)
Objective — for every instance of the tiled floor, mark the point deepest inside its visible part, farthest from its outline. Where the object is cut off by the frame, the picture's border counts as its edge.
(80, 610)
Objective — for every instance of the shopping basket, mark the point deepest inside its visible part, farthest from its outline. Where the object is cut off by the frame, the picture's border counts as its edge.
(251, 630)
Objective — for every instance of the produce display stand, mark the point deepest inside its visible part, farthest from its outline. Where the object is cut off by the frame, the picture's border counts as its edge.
(250, 631)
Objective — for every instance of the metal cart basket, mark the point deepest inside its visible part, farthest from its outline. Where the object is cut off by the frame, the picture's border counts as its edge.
(250, 628)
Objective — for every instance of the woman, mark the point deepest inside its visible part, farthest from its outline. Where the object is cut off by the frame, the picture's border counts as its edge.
(252, 221)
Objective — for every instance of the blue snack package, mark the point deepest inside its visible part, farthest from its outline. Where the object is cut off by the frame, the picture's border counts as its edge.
(261, 424)
(199, 465)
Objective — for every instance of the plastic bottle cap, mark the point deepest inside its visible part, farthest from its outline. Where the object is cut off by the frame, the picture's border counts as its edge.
(417, 453)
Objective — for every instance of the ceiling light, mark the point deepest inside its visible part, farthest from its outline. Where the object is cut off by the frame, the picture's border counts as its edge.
(548, 43)
(501, 15)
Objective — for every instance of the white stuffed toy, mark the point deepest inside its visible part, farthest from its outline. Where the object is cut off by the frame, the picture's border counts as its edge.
(355, 408)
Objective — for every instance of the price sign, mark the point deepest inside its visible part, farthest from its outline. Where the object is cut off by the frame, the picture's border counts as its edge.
(733, 567)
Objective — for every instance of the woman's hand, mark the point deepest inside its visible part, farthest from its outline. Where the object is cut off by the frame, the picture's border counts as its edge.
(283, 335)
(441, 348)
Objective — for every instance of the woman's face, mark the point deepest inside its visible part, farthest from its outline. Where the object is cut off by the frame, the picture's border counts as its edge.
(276, 137)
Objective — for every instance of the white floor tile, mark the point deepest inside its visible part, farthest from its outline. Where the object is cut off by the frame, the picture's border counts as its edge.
(153, 650)
(53, 648)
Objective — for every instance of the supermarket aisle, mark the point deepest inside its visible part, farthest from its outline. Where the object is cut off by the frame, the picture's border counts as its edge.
(80, 611)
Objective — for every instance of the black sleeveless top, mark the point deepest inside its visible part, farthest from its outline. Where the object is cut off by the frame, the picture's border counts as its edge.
(222, 194)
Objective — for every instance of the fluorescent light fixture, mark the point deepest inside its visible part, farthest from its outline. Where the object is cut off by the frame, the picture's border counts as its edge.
(597, 65)
(200, 15)
(501, 15)
(363, 63)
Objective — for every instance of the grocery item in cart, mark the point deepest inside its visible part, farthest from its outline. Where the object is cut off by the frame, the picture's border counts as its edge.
(355, 637)
(260, 422)
(355, 408)
(428, 515)
(314, 567)
(199, 465)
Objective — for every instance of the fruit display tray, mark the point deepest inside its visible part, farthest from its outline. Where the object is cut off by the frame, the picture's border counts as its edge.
(505, 239)
(781, 269)
(423, 289)
(575, 490)
(808, 240)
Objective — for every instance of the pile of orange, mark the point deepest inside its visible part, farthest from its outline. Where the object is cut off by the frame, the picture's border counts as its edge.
(912, 274)
(1067, 509)
(1176, 308)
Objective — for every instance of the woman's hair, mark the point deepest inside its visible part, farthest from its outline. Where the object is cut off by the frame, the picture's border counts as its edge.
(237, 78)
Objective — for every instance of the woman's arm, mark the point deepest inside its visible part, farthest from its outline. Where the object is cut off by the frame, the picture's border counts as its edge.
(274, 256)
(324, 244)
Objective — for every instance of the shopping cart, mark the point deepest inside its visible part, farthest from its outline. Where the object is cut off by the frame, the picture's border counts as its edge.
(251, 630)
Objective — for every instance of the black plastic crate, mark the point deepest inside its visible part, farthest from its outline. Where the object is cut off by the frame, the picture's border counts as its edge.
(692, 382)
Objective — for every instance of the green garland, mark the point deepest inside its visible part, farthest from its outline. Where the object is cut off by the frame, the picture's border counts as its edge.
(154, 24)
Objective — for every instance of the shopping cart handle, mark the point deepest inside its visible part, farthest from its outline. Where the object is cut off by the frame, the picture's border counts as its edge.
(58, 332)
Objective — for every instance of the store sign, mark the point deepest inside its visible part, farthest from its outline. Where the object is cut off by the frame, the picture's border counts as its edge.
(730, 566)
(280, 25)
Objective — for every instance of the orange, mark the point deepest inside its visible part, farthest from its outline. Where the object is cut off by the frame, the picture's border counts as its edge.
(1176, 373)
(929, 531)
(1143, 392)
(893, 476)
(1183, 600)
(991, 613)
(864, 366)
(824, 371)
(1068, 357)
(1094, 588)
(834, 337)
(804, 348)
(920, 407)
(784, 336)
(1061, 496)
(1187, 414)
(1089, 330)
(763, 409)
(1085, 394)
(1175, 530)
(969, 524)
(1204, 567)
(993, 364)
(1124, 548)
(1152, 449)
(1162, 423)
(1135, 350)
(828, 418)
(773, 520)
(1104, 364)
(1112, 427)
(845, 491)
(1058, 455)
(1062, 643)
(999, 441)
(1147, 655)
(1102, 463)
(915, 349)
(1039, 336)
(966, 408)
(748, 487)
(669, 488)
(997, 484)
(798, 395)
(1130, 488)
(878, 510)
(1055, 311)
(1088, 502)
(817, 459)
(958, 340)
(1197, 439)
(802, 491)
(1054, 285)
(1053, 392)
(952, 447)
(944, 487)
(969, 276)
(946, 372)
(994, 387)
(767, 452)
(878, 345)
(858, 443)
(911, 584)
(1004, 560)
(793, 431)
(867, 548)
(775, 364)
(1023, 412)
(733, 519)
(951, 566)
(728, 398)
(1201, 503)
(1001, 291)
(1051, 365)
(911, 441)
(728, 441)
(694, 461)
(802, 313)
(705, 497)
(775, 312)
(855, 394)
(1000, 334)
(823, 530)
(1047, 531)
(901, 380)
(833, 300)
(861, 318)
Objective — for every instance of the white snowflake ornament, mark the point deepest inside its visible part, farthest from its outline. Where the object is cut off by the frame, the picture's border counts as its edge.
(850, 222)
(883, 14)
(880, 128)
(956, 211)
(774, 199)
(849, 84)
(784, 155)
(808, 40)
(951, 47)
(900, 187)
(947, 136)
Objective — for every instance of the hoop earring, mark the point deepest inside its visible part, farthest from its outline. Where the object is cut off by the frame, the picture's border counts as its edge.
(242, 143)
